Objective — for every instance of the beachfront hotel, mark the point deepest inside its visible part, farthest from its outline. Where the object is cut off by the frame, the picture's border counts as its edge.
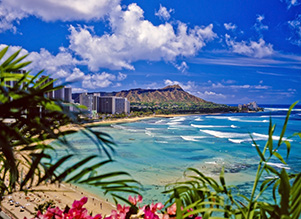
(105, 104)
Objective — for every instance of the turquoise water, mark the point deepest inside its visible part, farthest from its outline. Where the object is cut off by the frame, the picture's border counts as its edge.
(157, 151)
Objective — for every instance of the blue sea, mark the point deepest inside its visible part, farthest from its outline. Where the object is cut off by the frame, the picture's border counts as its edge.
(157, 151)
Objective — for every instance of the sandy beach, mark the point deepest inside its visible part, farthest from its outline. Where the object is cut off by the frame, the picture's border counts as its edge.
(134, 119)
(62, 195)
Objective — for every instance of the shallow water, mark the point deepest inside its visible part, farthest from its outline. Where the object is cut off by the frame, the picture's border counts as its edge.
(157, 151)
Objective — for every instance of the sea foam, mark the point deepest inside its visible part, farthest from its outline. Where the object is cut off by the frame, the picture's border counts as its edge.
(279, 165)
(208, 126)
(220, 134)
(192, 138)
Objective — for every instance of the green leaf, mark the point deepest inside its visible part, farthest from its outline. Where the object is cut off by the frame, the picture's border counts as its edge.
(288, 147)
(284, 191)
(179, 205)
(295, 198)
(50, 172)
(103, 176)
(279, 157)
(257, 149)
(285, 122)
(87, 170)
(6, 63)
(3, 52)
(73, 168)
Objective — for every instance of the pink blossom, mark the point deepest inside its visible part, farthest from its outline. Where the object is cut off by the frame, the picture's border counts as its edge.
(172, 210)
(76, 212)
(157, 206)
(123, 209)
(79, 204)
(134, 200)
(165, 216)
(148, 214)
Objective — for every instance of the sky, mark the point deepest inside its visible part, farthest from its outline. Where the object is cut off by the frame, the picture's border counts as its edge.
(225, 51)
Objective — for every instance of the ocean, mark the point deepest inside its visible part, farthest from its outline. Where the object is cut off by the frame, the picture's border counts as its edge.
(157, 151)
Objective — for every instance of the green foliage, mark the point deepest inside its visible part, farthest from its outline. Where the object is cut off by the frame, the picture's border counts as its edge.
(212, 199)
(28, 118)
(180, 108)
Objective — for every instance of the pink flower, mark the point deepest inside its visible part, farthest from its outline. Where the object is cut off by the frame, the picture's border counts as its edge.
(79, 204)
(165, 216)
(98, 216)
(55, 213)
(148, 214)
(155, 207)
(172, 210)
(134, 200)
(123, 209)
(76, 212)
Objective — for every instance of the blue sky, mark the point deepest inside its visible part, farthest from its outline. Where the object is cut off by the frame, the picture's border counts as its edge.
(225, 51)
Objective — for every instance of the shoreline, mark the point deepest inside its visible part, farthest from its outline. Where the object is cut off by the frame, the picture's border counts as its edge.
(64, 194)
(135, 119)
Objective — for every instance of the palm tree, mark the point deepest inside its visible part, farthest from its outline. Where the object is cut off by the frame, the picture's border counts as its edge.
(28, 118)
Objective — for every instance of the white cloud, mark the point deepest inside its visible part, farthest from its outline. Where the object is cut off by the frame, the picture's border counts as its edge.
(98, 80)
(60, 74)
(153, 85)
(78, 90)
(259, 26)
(51, 63)
(261, 87)
(210, 95)
(295, 26)
(228, 81)
(260, 18)
(163, 13)
(12, 11)
(182, 67)
(121, 76)
(230, 26)
(118, 85)
(245, 86)
(254, 49)
(133, 38)
(55, 65)
(190, 86)
(51, 10)
(102, 80)
(76, 75)
(9, 17)
(291, 3)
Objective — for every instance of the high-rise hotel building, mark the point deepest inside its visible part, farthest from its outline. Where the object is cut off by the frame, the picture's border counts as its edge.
(105, 104)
